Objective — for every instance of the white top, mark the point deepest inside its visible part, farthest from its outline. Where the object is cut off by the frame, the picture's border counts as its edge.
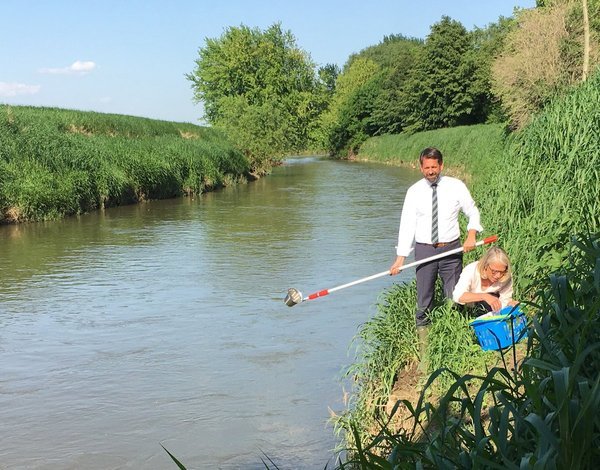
(470, 281)
(415, 222)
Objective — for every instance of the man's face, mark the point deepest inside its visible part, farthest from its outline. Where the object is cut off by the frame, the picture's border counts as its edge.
(431, 169)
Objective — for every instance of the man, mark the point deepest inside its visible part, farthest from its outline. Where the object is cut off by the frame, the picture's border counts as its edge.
(429, 221)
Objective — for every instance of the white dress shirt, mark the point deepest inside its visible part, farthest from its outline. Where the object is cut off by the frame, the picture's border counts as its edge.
(470, 281)
(415, 222)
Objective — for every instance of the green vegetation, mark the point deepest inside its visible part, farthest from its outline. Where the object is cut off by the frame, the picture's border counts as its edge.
(537, 192)
(468, 149)
(506, 71)
(437, 83)
(262, 90)
(439, 94)
(544, 56)
(544, 414)
(55, 162)
(536, 188)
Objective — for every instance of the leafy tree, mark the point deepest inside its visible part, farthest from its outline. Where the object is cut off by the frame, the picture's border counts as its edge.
(390, 112)
(328, 75)
(326, 85)
(439, 92)
(355, 123)
(335, 122)
(246, 77)
(486, 45)
(368, 99)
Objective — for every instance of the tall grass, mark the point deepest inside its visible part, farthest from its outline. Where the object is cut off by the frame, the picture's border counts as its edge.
(548, 185)
(535, 189)
(56, 162)
(467, 150)
(384, 346)
(545, 415)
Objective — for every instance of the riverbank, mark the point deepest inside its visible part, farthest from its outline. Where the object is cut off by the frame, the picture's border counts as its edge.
(467, 150)
(56, 162)
(537, 190)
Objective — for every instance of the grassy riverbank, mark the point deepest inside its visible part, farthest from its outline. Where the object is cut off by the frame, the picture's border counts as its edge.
(468, 150)
(57, 162)
(536, 189)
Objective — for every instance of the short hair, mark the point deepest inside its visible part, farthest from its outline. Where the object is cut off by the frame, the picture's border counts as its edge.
(431, 152)
(498, 255)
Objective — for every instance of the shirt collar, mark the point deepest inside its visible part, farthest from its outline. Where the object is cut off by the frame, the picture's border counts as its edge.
(436, 182)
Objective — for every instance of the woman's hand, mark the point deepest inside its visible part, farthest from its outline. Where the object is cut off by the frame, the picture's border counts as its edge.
(493, 302)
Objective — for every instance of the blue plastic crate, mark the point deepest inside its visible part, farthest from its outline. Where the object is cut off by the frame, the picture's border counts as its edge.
(494, 331)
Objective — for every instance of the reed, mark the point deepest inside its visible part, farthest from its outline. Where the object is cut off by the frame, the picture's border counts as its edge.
(56, 162)
(547, 185)
(544, 415)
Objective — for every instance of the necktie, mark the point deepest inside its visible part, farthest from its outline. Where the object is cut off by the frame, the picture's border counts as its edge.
(434, 214)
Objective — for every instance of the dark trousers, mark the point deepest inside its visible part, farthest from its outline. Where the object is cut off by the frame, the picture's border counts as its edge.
(447, 268)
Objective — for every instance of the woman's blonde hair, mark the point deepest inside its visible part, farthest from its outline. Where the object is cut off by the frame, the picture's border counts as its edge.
(498, 255)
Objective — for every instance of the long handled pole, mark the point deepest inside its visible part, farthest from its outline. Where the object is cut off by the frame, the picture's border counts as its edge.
(295, 297)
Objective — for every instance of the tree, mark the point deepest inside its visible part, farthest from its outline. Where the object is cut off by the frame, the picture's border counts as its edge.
(335, 123)
(326, 85)
(486, 45)
(368, 99)
(586, 41)
(398, 57)
(260, 88)
(439, 91)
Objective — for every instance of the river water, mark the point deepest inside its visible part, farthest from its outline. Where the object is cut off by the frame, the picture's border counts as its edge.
(164, 322)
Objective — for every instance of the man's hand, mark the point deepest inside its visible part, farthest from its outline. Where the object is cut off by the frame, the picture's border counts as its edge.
(395, 268)
(469, 243)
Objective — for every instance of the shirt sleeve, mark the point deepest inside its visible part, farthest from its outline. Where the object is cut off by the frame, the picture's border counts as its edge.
(469, 208)
(408, 225)
(465, 282)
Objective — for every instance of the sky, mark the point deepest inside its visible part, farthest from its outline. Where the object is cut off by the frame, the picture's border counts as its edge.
(132, 56)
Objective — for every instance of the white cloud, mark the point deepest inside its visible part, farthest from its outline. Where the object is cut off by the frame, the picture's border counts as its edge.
(13, 89)
(79, 67)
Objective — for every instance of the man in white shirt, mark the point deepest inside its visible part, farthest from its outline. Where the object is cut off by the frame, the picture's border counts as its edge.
(429, 222)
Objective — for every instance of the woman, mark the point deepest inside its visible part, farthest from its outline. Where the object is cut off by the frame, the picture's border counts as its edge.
(487, 282)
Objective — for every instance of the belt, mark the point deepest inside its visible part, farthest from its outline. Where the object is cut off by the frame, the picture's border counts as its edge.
(440, 244)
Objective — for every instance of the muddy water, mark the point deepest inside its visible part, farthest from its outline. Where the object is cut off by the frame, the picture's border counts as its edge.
(164, 323)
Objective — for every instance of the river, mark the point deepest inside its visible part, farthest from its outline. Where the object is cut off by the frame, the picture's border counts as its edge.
(164, 322)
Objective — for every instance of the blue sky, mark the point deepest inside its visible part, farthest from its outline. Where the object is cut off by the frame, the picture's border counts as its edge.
(131, 56)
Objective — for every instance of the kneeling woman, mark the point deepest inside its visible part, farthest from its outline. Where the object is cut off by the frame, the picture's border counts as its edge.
(487, 282)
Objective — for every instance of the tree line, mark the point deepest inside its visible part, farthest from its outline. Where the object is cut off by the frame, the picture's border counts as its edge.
(272, 99)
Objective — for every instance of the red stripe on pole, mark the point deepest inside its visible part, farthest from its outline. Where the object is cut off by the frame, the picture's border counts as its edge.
(318, 294)
(491, 239)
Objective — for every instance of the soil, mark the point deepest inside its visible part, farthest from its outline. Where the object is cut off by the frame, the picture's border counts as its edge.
(407, 388)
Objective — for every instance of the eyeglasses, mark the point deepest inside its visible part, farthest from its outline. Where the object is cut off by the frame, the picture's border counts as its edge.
(497, 272)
